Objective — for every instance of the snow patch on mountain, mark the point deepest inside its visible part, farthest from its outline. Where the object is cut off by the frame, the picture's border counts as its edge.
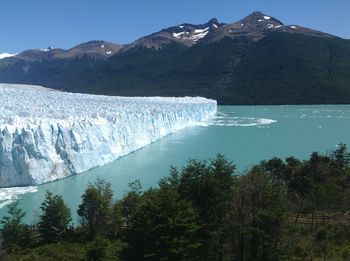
(199, 34)
(178, 35)
(193, 35)
(5, 55)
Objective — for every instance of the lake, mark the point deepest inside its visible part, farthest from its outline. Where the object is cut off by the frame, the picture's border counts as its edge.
(244, 134)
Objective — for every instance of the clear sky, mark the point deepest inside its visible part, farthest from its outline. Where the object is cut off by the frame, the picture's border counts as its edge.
(28, 24)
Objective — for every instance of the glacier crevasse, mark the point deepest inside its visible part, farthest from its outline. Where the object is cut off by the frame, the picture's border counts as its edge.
(47, 135)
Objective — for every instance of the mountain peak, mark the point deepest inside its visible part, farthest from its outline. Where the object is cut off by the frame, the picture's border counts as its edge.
(213, 21)
(260, 20)
(257, 13)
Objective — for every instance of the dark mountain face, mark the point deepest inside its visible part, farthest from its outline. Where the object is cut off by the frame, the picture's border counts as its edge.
(32, 55)
(255, 27)
(44, 66)
(257, 60)
(95, 49)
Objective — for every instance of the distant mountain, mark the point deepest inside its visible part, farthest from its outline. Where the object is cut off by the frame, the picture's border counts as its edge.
(95, 49)
(186, 34)
(257, 60)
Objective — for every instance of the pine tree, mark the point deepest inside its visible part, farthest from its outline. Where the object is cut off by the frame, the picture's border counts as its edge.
(14, 232)
(95, 211)
(55, 218)
(163, 227)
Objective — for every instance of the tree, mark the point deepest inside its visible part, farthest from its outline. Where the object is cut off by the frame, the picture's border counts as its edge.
(129, 202)
(258, 212)
(55, 218)
(100, 250)
(95, 211)
(210, 188)
(163, 227)
(276, 168)
(15, 233)
(341, 156)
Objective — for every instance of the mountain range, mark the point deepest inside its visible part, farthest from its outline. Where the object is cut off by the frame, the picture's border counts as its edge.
(257, 60)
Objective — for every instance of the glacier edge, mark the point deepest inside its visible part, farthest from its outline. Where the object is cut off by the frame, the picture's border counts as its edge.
(47, 135)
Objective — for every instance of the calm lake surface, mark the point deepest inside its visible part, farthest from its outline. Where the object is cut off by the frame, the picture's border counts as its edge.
(245, 134)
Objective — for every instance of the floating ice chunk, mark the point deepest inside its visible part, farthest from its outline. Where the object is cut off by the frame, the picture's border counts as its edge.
(237, 121)
(8, 195)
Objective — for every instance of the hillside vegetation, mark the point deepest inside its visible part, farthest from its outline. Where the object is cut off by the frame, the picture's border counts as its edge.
(257, 60)
(277, 210)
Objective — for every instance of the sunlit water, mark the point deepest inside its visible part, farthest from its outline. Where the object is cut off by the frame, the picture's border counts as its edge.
(245, 134)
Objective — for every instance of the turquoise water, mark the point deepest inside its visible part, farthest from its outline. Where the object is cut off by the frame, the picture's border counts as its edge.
(245, 134)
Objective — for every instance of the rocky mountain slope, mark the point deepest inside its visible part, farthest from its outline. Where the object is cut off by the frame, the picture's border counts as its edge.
(257, 60)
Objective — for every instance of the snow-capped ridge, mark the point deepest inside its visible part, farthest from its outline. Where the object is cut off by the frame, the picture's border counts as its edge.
(6, 55)
(193, 33)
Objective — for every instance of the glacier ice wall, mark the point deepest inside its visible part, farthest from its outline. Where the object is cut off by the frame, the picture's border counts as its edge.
(47, 135)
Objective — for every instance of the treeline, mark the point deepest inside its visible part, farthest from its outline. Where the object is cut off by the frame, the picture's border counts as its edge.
(205, 211)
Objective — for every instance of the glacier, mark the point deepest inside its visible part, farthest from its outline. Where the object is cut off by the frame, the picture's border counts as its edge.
(47, 134)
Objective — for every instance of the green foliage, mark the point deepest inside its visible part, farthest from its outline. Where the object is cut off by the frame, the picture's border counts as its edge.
(210, 188)
(50, 252)
(341, 156)
(101, 249)
(258, 213)
(14, 232)
(204, 212)
(96, 208)
(130, 201)
(55, 218)
(163, 227)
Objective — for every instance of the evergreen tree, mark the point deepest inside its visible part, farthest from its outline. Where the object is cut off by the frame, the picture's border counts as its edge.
(210, 188)
(163, 227)
(14, 232)
(341, 156)
(55, 218)
(130, 201)
(95, 211)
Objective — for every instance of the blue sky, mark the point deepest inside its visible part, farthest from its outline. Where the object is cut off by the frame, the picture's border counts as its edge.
(64, 23)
